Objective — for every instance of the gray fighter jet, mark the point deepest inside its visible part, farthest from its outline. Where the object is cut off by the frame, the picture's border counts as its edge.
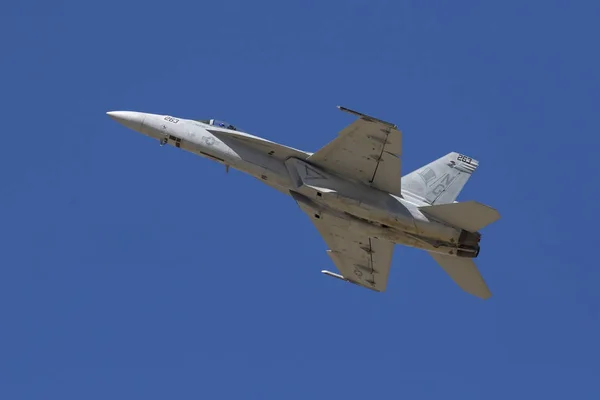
(353, 192)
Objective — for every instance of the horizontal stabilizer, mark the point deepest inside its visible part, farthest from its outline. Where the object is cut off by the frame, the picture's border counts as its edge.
(469, 215)
(464, 273)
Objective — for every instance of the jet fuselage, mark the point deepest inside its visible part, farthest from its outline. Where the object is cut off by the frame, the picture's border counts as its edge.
(386, 216)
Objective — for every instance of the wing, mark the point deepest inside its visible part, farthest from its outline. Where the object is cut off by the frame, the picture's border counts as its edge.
(368, 150)
(361, 259)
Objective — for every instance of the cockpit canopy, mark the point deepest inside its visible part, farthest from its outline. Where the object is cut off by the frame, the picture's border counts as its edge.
(219, 123)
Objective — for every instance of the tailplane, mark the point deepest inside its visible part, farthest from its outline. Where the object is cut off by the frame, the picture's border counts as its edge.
(440, 181)
(469, 215)
(464, 273)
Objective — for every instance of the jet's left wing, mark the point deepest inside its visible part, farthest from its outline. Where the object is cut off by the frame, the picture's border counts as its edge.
(361, 259)
(368, 150)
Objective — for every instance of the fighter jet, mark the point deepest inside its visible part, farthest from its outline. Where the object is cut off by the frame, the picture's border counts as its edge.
(353, 192)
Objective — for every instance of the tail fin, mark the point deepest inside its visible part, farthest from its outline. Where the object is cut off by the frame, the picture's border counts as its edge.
(440, 181)
(464, 273)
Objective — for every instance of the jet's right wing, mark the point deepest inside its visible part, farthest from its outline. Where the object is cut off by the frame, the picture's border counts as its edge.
(361, 259)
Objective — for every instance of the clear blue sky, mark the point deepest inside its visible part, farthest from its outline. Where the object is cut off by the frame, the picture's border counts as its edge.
(133, 271)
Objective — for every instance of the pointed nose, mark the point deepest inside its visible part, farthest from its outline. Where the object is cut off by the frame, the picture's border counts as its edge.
(131, 119)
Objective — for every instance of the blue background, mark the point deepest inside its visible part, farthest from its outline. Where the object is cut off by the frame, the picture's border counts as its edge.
(131, 270)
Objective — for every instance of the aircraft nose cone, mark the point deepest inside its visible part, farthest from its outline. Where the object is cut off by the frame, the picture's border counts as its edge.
(131, 119)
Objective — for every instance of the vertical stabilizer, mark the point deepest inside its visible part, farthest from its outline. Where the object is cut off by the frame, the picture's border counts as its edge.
(440, 181)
